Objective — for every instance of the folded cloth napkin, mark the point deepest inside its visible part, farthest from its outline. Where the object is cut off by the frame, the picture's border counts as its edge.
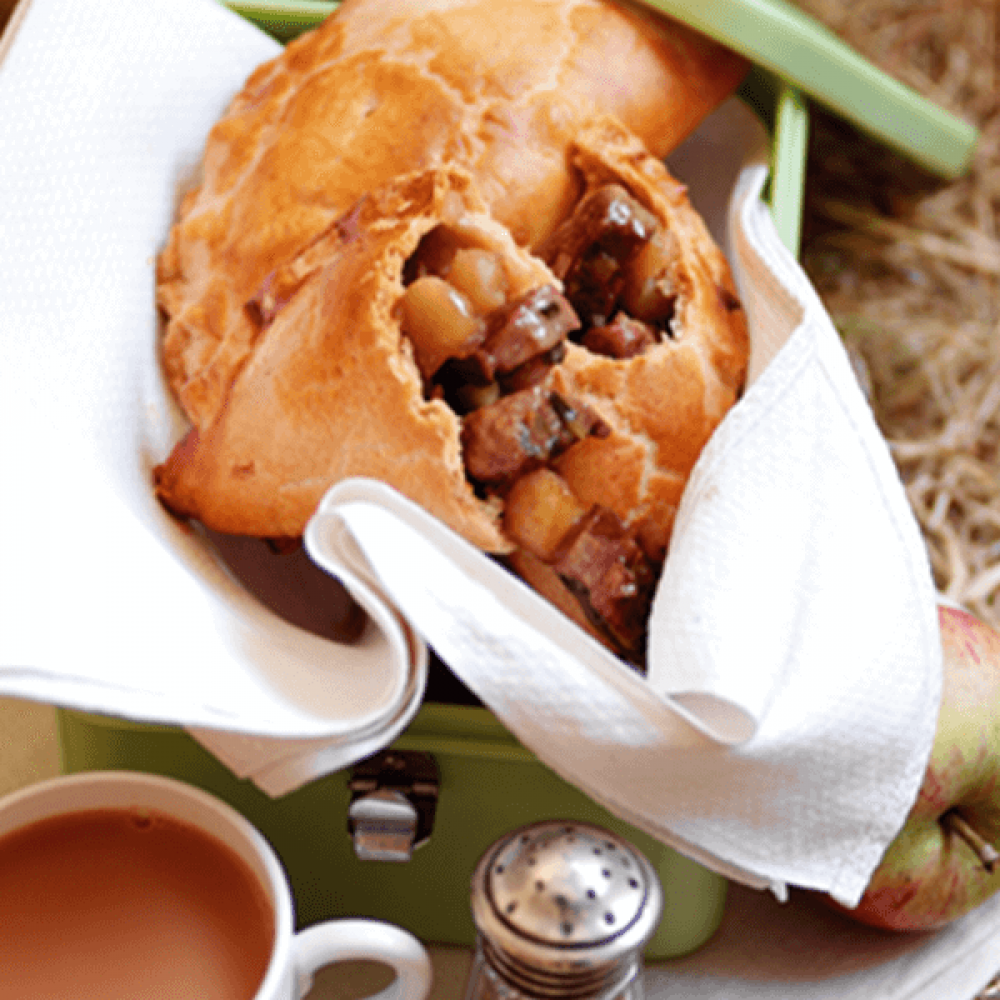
(787, 716)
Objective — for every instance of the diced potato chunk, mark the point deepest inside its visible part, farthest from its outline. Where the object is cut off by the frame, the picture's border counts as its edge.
(480, 276)
(440, 322)
(539, 512)
(649, 293)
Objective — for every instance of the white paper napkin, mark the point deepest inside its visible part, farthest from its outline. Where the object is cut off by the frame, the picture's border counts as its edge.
(106, 604)
(783, 729)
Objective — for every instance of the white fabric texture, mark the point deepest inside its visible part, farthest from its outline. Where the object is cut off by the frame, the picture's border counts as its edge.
(789, 709)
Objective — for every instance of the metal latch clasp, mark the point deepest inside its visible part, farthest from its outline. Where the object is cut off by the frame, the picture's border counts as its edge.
(393, 800)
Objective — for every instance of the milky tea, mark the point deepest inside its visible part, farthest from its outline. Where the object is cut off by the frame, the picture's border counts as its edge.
(122, 903)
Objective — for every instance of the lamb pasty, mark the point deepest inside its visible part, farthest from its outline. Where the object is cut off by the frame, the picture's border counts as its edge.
(547, 404)
(500, 88)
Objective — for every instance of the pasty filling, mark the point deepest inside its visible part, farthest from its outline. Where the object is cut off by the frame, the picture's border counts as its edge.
(489, 355)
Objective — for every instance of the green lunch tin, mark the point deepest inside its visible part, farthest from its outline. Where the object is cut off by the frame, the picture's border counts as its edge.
(487, 783)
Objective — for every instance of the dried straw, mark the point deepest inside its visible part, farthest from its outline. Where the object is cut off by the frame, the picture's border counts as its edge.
(909, 268)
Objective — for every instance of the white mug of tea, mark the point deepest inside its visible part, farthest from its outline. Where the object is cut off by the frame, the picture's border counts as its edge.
(118, 885)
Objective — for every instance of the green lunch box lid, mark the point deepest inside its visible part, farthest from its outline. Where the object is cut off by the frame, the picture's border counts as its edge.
(782, 38)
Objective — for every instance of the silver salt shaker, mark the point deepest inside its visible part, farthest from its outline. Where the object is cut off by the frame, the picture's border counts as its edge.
(562, 910)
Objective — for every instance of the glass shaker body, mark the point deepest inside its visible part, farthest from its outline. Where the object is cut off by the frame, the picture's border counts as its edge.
(563, 911)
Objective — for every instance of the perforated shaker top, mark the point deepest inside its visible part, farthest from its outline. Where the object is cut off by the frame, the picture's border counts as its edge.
(572, 885)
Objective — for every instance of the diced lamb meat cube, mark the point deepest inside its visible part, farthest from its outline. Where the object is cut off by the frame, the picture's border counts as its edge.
(524, 329)
(611, 576)
(533, 371)
(610, 217)
(622, 338)
(589, 251)
(594, 286)
(521, 432)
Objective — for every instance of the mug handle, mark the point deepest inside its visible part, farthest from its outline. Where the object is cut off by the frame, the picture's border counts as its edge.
(374, 940)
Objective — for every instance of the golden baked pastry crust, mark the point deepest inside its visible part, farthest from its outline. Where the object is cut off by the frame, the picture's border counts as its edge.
(292, 271)
(384, 87)
(331, 389)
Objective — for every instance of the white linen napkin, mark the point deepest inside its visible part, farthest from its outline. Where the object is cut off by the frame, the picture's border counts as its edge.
(783, 729)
